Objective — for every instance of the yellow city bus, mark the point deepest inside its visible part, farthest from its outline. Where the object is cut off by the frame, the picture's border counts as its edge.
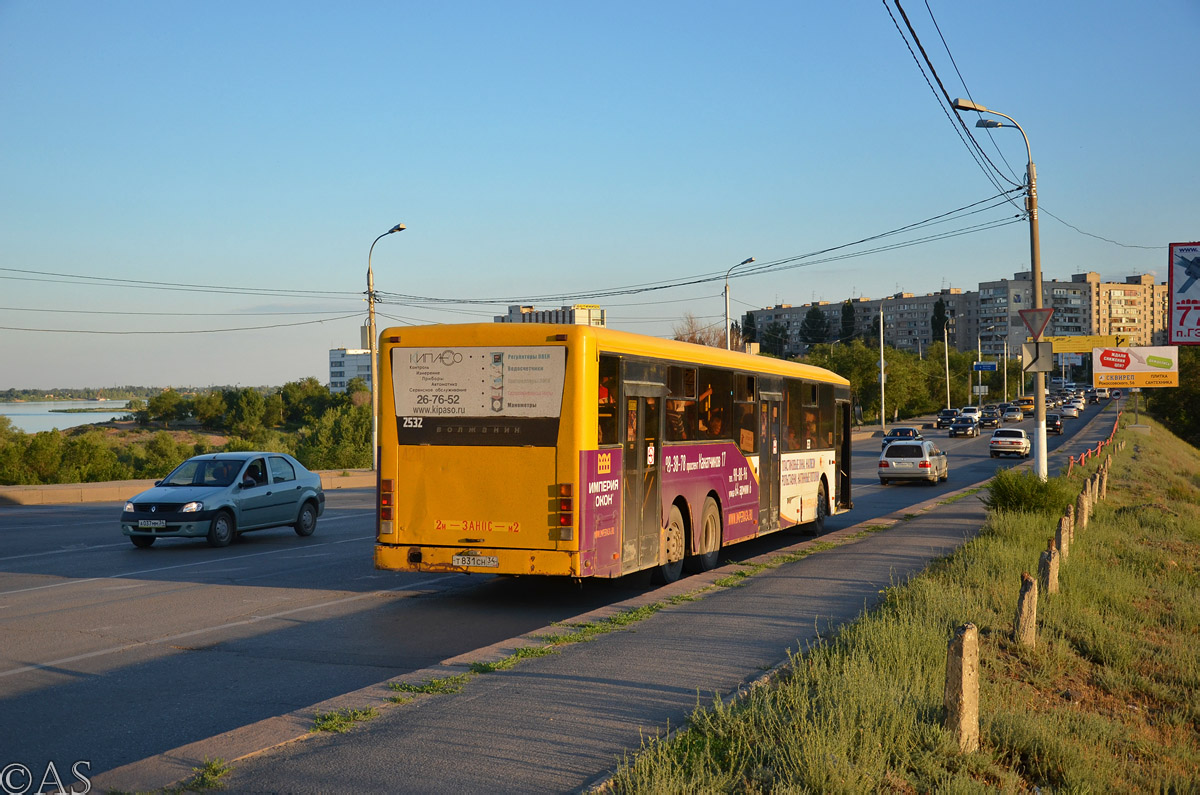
(568, 450)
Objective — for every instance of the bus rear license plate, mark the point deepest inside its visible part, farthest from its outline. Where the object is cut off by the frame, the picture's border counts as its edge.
(152, 522)
(486, 561)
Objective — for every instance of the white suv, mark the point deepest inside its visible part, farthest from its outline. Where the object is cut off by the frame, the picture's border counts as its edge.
(1009, 441)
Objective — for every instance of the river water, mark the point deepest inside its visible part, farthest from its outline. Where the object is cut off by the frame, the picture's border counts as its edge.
(33, 416)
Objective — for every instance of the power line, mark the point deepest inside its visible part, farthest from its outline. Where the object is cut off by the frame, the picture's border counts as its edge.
(195, 331)
(962, 80)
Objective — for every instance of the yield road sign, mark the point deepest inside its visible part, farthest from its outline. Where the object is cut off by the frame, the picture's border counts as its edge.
(1036, 320)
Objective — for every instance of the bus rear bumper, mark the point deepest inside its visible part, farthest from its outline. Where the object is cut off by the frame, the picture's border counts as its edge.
(396, 557)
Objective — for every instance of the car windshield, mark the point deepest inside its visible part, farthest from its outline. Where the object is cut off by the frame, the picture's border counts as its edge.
(203, 473)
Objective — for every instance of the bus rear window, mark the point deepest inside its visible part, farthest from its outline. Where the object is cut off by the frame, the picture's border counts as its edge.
(502, 396)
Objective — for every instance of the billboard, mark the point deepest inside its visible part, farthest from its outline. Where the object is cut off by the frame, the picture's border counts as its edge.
(1140, 367)
(1183, 323)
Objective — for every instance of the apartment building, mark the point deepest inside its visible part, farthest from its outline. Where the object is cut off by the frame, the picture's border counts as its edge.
(348, 363)
(907, 319)
(989, 318)
(576, 315)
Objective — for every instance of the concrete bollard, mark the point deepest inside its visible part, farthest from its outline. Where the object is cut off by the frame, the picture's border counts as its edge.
(1081, 511)
(1062, 537)
(1048, 568)
(961, 697)
(1025, 624)
(1104, 484)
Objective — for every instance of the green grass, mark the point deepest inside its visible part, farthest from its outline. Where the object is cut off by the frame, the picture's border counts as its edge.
(339, 721)
(441, 686)
(1106, 701)
(206, 777)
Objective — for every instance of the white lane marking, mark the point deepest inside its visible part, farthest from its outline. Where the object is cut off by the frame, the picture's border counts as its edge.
(229, 625)
(223, 561)
(325, 519)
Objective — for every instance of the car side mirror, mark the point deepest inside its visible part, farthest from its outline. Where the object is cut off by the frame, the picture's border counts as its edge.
(248, 482)
(158, 483)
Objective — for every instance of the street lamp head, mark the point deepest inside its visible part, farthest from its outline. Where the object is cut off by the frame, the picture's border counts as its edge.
(966, 104)
(989, 123)
(396, 228)
(746, 261)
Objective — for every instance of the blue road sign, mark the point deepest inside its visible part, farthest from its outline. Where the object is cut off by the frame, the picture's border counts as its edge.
(986, 367)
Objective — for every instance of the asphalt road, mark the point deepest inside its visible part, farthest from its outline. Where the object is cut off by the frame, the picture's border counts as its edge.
(112, 654)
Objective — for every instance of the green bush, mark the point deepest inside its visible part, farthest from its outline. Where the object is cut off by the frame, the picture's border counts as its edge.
(1022, 491)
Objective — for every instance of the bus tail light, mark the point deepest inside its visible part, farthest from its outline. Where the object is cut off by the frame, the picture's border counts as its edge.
(566, 512)
(387, 499)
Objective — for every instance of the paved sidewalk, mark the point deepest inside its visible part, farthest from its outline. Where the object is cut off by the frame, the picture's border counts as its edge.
(562, 722)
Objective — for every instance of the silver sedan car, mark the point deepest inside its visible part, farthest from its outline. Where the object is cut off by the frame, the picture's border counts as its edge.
(222, 495)
(921, 460)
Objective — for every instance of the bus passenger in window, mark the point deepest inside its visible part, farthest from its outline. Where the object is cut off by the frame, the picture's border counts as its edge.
(716, 426)
(676, 425)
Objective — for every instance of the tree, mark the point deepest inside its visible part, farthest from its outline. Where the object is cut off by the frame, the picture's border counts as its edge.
(749, 329)
(773, 339)
(737, 342)
(1178, 408)
(815, 327)
(245, 409)
(937, 324)
(304, 401)
(849, 324)
(689, 329)
(209, 409)
(164, 406)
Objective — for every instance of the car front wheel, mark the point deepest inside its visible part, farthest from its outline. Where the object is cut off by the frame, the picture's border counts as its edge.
(142, 542)
(221, 532)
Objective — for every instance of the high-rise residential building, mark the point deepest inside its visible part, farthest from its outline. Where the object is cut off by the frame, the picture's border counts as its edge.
(576, 315)
(988, 319)
(348, 363)
(907, 319)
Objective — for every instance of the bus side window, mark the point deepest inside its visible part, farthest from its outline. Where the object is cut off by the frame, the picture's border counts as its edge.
(606, 419)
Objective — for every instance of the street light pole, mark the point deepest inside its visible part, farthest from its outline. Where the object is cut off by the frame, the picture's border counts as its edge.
(946, 353)
(372, 345)
(882, 375)
(1035, 257)
(746, 261)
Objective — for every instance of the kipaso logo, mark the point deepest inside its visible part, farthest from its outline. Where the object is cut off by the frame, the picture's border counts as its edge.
(604, 464)
(446, 358)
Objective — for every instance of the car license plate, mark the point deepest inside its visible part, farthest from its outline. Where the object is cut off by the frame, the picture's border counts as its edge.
(903, 465)
(152, 522)
(487, 561)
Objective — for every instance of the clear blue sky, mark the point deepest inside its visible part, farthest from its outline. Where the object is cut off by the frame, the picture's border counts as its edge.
(538, 148)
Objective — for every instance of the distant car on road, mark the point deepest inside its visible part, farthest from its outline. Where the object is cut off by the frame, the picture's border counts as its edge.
(990, 418)
(901, 432)
(964, 425)
(945, 417)
(218, 496)
(1054, 424)
(1069, 410)
(913, 461)
(1009, 441)
(971, 411)
(1013, 414)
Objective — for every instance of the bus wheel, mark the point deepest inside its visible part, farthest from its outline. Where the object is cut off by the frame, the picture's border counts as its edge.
(710, 540)
(673, 541)
(817, 525)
